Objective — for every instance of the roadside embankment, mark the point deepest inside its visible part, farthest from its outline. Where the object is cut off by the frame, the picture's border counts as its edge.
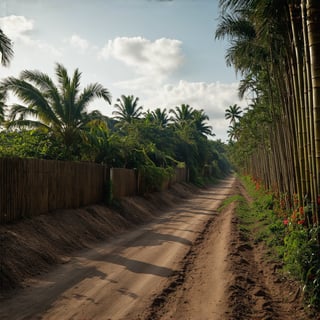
(31, 246)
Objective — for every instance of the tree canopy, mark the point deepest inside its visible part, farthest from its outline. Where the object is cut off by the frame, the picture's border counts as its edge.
(55, 123)
(59, 110)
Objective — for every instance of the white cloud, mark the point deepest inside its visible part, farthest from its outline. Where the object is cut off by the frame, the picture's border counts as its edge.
(16, 27)
(79, 43)
(19, 29)
(150, 64)
(141, 83)
(213, 98)
(148, 58)
(154, 62)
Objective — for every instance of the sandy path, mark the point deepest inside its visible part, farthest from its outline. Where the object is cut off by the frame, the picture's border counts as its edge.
(120, 279)
(203, 294)
(226, 275)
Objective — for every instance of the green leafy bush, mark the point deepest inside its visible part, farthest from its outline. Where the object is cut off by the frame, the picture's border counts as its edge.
(154, 177)
(288, 234)
(302, 259)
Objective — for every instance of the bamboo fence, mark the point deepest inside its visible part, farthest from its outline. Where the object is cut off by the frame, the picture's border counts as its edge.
(30, 187)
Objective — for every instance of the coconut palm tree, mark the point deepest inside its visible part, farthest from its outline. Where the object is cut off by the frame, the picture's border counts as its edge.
(160, 117)
(185, 116)
(233, 131)
(127, 109)
(199, 120)
(60, 110)
(182, 115)
(5, 49)
(233, 113)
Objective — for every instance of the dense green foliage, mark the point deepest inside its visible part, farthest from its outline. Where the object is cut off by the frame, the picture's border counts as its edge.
(287, 238)
(29, 144)
(275, 47)
(58, 110)
(52, 122)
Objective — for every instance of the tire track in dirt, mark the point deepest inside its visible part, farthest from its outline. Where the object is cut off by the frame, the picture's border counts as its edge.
(119, 279)
(225, 276)
(249, 297)
(260, 290)
(197, 291)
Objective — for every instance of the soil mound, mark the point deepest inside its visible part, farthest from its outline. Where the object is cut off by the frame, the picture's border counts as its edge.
(31, 246)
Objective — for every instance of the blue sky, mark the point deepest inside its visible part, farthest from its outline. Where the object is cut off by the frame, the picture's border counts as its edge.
(163, 52)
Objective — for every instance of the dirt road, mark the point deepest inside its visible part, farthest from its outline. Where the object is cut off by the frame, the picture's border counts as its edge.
(119, 279)
(189, 263)
(226, 275)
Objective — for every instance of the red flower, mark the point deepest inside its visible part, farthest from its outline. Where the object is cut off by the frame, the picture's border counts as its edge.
(311, 277)
(301, 222)
(285, 221)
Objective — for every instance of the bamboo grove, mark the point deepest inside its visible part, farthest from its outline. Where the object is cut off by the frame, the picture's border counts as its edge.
(275, 47)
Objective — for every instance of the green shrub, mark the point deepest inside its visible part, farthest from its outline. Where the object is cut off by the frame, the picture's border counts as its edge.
(287, 234)
(154, 177)
(302, 259)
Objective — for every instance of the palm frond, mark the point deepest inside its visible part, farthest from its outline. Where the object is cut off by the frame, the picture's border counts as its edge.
(46, 86)
(72, 93)
(235, 4)
(127, 109)
(92, 91)
(232, 27)
(24, 123)
(21, 112)
(32, 97)
(63, 78)
(5, 49)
